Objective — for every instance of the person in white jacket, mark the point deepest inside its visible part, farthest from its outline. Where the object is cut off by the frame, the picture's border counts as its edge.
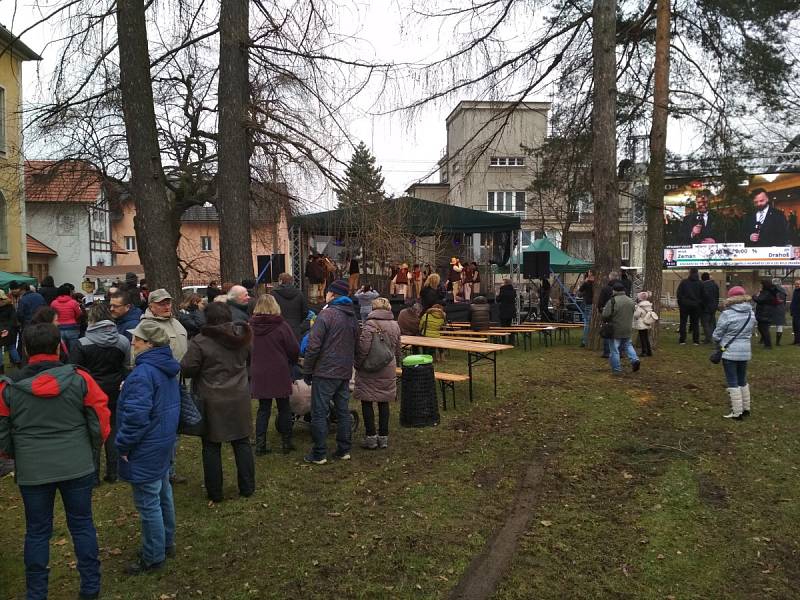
(643, 321)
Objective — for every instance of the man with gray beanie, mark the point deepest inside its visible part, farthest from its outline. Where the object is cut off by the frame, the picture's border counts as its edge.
(328, 367)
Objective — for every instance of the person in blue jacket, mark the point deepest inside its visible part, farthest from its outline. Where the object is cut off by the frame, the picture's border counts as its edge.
(124, 313)
(148, 409)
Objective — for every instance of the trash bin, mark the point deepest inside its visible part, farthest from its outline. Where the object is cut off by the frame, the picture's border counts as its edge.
(418, 406)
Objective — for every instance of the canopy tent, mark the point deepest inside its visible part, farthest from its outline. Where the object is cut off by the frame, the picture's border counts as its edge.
(420, 217)
(7, 278)
(560, 261)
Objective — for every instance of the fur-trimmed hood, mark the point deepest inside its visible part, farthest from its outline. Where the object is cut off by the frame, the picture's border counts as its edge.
(231, 335)
(737, 300)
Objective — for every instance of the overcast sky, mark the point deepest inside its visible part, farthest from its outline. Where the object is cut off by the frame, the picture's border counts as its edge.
(407, 148)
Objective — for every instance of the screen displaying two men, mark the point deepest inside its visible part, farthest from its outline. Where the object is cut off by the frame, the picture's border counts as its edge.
(762, 237)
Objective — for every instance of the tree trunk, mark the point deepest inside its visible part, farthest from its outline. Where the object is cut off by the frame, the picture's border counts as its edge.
(654, 252)
(604, 150)
(233, 196)
(156, 236)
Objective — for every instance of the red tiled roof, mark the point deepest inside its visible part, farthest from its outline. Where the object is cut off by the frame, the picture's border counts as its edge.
(36, 247)
(62, 181)
(113, 271)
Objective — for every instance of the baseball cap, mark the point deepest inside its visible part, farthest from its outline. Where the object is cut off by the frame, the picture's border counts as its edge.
(150, 331)
(158, 296)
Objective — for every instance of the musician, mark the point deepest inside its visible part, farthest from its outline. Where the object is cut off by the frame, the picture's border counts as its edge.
(699, 227)
(766, 226)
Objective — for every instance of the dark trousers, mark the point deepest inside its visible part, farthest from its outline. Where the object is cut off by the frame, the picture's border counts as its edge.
(212, 467)
(506, 322)
(76, 495)
(644, 342)
(709, 322)
(283, 424)
(796, 329)
(110, 449)
(324, 392)
(368, 410)
(692, 315)
(763, 329)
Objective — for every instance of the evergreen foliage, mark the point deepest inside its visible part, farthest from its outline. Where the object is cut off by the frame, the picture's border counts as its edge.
(363, 182)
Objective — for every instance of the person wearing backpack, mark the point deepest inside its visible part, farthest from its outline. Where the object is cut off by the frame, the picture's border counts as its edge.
(643, 321)
(377, 356)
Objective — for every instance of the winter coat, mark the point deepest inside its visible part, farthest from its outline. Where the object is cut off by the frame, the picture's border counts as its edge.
(147, 416)
(239, 312)
(294, 307)
(794, 307)
(606, 293)
(216, 362)
(710, 296)
(129, 321)
(731, 320)
(587, 292)
(429, 296)
(771, 306)
(480, 314)
(315, 272)
(364, 300)
(49, 293)
(619, 310)
(690, 293)
(430, 324)
(379, 386)
(507, 299)
(332, 341)
(178, 338)
(53, 419)
(68, 310)
(192, 320)
(8, 322)
(639, 313)
(408, 320)
(275, 349)
(28, 304)
(105, 354)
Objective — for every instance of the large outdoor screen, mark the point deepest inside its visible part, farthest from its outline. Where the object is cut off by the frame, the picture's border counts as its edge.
(703, 230)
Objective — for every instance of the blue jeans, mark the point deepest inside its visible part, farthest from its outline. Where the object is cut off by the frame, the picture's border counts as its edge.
(69, 334)
(323, 392)
(606, 347)
(587, 323)
(735, 372)
(76, 495)
(153, 500)
(618, 345)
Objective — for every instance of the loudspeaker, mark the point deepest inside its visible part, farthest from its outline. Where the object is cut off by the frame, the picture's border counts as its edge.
(536, 265)
(273, 269)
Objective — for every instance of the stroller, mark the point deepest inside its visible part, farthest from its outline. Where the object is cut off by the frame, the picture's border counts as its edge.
(300, 401)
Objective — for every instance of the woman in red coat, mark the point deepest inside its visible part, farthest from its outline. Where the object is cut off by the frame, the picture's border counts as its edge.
(275, 350)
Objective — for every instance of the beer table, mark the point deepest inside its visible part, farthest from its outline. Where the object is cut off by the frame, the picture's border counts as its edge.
(478, 353)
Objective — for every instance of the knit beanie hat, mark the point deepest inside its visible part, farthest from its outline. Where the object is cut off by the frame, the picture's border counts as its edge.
(642, 296)
(736, 290)
(339, 287)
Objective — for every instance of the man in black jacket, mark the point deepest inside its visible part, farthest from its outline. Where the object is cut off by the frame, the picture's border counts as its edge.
(606, 294)
(710, 305)
(699, 227)
(766, 226)
(294, 307)
(690, 305)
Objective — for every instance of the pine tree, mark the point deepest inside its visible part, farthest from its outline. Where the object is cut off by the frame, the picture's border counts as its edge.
(363, 182)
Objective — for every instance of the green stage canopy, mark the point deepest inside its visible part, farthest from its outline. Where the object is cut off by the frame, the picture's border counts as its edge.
(421, 218)
(560, 261)
(6, 278)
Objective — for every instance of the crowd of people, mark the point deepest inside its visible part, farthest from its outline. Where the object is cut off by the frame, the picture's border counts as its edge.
(108, 383)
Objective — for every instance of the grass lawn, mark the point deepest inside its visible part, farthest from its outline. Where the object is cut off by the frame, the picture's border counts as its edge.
(645, 492)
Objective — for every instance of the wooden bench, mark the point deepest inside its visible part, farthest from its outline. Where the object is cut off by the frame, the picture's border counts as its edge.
(446, 380)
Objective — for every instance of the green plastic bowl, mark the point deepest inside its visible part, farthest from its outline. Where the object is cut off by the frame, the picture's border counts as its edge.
(413, 360)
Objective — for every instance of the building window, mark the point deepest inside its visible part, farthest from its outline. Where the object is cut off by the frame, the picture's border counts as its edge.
(2, 120)
(507, 161)
(625, 251)
(130, 243)
(505, 202)
(205, 243)
(3, 224)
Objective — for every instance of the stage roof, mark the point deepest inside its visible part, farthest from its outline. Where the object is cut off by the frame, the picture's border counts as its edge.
(422, 218)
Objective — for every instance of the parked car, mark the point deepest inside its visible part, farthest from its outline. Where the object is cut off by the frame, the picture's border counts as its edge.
(200, 290)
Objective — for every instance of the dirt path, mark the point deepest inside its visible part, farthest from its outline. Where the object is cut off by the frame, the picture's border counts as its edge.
(484, 573)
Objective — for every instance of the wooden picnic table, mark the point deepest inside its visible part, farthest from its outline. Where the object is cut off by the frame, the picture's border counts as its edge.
(477, 352)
